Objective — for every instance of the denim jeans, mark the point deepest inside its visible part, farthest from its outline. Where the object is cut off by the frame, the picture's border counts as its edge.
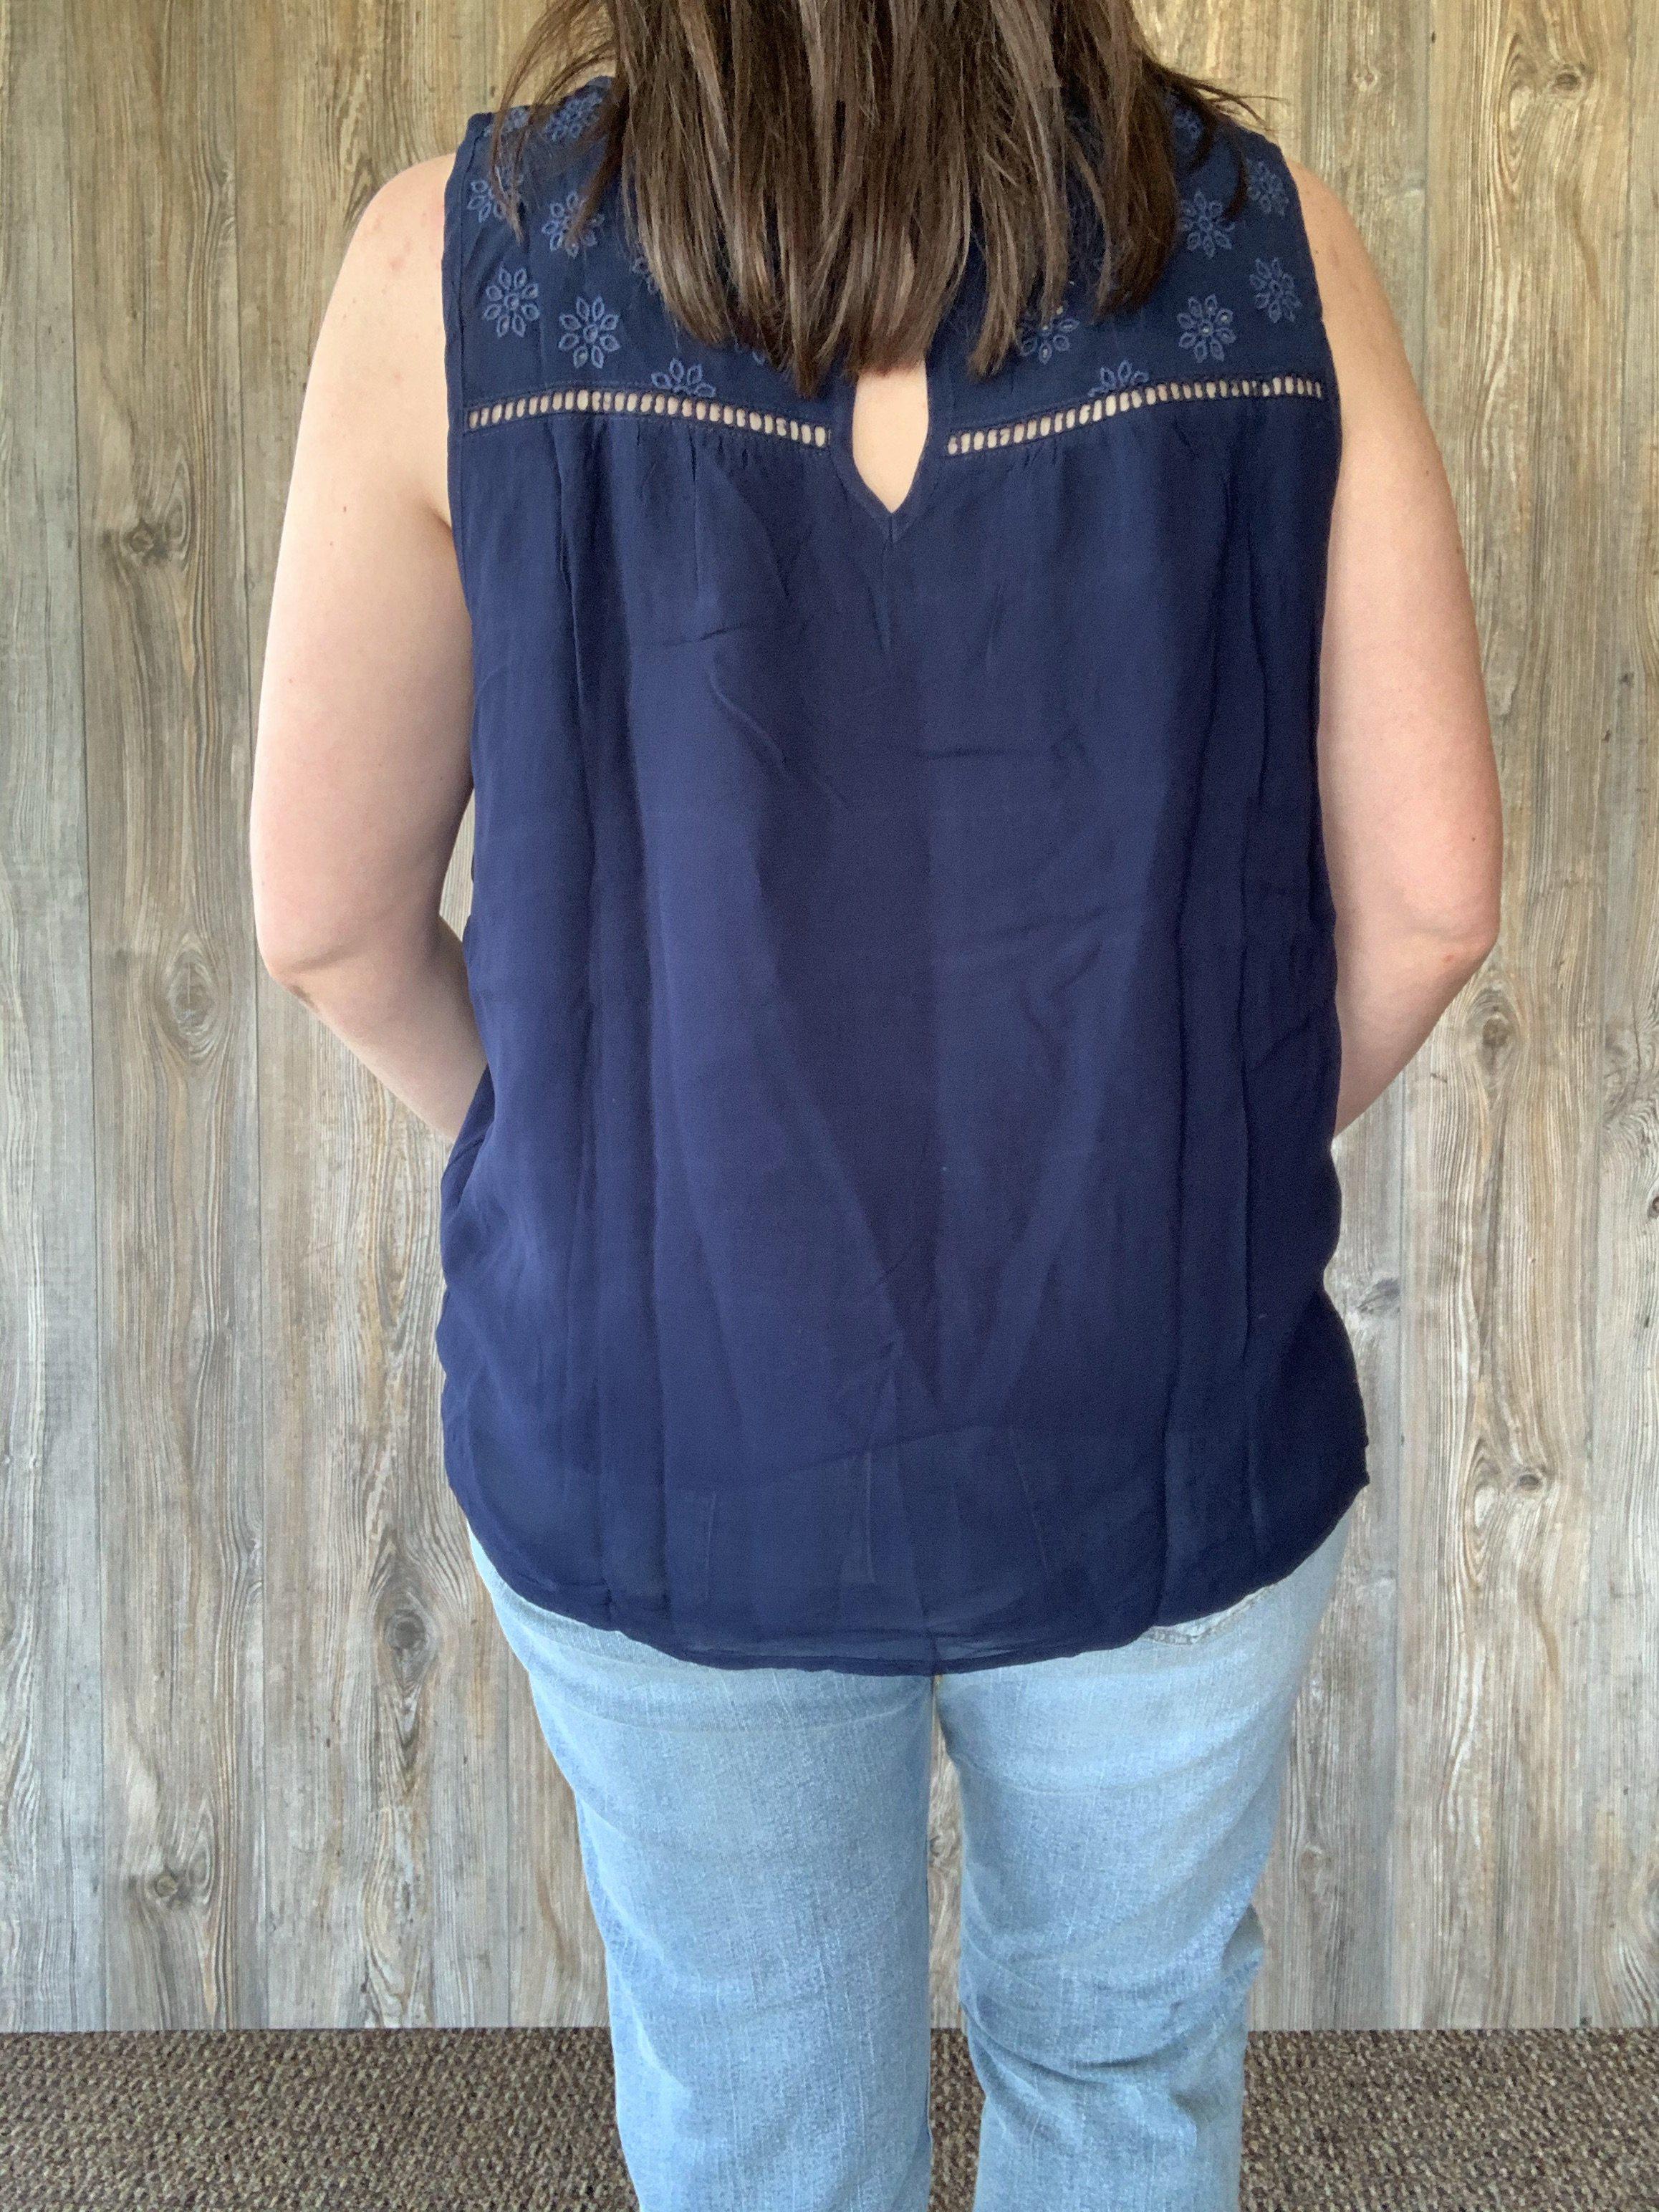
(755, 1843)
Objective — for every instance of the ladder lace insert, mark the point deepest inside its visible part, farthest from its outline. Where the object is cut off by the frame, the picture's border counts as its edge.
(618, 399)
(1075, 416)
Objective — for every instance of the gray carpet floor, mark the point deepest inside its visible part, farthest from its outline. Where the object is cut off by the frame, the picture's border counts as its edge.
(438, 2120)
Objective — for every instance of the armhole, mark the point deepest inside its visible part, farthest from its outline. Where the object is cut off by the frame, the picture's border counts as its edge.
(454, 253)
(1310, 275)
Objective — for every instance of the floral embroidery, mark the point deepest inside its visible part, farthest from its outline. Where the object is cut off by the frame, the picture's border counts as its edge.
(568, 120)
(677, 377)
(1205, 230)
(510, 302)
(1188, 126)
(1206, 327)
(557, 230)
(590, 333)
(481, 199)
(573, 116)
(1275, 291)
(1266, 186)
(1046, 339)
(513, 125)
(1115, 380)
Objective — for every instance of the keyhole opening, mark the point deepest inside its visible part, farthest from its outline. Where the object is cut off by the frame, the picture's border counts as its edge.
(890, 430)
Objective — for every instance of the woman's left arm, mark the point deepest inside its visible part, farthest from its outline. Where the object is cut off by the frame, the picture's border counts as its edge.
(361, 767)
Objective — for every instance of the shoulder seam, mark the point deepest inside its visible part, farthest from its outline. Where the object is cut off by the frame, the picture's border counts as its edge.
(451, 265)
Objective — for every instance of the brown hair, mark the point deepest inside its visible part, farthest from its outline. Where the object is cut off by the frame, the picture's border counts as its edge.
(803, 177)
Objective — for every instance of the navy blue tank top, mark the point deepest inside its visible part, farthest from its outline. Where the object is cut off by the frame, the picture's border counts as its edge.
(891, 1231)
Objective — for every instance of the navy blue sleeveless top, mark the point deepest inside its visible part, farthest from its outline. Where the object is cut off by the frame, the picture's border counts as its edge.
(891, 1231)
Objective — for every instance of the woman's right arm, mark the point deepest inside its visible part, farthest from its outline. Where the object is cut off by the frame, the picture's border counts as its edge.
(1408, 782)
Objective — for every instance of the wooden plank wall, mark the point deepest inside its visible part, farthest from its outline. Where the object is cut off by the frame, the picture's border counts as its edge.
(171, 963)
(382, 1708)
(52, 1970)
(264, 1758)
(1616, 1707)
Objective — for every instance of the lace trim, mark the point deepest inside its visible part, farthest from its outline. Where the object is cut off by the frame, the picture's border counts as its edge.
(1084, 411)
(617, 400)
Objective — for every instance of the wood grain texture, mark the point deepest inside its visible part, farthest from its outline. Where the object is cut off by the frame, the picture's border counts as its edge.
(1528, 131)
(51, 1749)
(158, 405)
(389, 1869)
(1360, 119)
(1619, 1774)
(1347, 93)
(265, 1757)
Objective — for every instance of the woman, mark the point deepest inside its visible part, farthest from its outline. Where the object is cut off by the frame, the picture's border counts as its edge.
(916, 526)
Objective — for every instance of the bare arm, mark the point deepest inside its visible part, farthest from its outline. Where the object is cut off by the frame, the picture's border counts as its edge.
(361, 771)
(1408, 783)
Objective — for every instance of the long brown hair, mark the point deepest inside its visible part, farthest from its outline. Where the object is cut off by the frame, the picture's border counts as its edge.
(805, 177)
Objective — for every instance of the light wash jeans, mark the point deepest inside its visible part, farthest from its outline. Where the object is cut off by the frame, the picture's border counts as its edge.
(755, 1842)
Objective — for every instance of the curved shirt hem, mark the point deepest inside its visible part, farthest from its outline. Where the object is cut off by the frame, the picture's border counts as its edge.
(595, 1606)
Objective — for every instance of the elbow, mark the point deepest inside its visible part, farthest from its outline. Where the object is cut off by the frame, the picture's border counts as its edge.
(298, 942)
(288, 972)
(287, 950)
(276, 945)
(337, 976)
(305, 926)
(294, 966)
(1467, 953)
(1470, 934)
(1485, 941)
(1481, 922)
(1442, 945)
(306, 946)
(1459, 943)
(1455, 909)
(337, 958)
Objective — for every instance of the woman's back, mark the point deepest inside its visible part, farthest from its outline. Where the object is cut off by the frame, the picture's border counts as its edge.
(893, 1060)
(889, 1231)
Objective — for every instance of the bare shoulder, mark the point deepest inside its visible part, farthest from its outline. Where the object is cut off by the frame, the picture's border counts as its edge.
(1359, 322)
(377, 376)
(402, 227)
